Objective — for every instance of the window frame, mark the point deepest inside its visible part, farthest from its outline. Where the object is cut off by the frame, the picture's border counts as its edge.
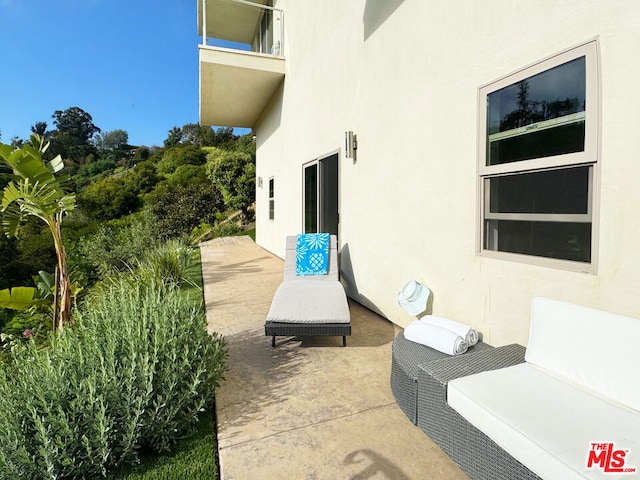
(590, 157)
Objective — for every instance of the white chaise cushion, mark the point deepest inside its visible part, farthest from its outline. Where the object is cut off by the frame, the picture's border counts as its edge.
(590, 347)
(545, 422)
(309, 301)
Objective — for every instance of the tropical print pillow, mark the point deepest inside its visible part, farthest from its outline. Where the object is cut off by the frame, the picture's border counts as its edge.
(312, 254)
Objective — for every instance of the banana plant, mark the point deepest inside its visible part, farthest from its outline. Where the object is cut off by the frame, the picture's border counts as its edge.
(46, 284)
(21, 298)
(39, 297)
(34, 191)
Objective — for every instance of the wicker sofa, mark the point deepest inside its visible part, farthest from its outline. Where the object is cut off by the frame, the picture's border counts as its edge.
(567, 407)
(406, 359)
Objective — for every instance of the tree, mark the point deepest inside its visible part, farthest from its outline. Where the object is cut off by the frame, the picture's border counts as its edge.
(40, 128)
(34, 191)
(234, 173)
(112, 140)
(174, 138)
(224, 135)
(16, 142)
(198, 135)
(77, 123)
(141, 154)
(75, 129)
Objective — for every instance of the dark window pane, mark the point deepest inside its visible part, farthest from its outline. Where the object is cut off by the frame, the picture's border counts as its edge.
(555, 191)
(540, 116)
(272, 206)
(311, 199)
(329, 195)
(545, 143)
(567, 241)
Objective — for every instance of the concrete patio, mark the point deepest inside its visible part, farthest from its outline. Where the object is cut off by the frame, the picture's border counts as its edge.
(308, 409)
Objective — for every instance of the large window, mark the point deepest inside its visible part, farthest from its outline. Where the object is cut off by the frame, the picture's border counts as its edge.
(538, 157)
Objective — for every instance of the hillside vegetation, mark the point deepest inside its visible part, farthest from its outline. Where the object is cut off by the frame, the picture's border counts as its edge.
(106, 366)
(128, 198)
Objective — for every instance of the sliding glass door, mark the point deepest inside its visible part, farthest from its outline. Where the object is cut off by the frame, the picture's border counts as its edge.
(321, 195)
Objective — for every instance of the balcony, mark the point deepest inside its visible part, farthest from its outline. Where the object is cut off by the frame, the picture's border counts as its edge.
(241, 60)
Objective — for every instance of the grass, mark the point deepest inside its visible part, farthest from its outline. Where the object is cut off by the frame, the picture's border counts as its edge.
(251, 232)
(194, 458)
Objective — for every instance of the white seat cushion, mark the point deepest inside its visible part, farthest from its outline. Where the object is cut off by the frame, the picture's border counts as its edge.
(309, 301)
(545, 422)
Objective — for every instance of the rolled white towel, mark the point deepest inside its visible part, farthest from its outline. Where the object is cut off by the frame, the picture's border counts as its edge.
(465, 331)
(438, 338)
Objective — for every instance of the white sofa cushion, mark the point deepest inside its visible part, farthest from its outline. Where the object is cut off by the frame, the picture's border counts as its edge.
(545, 422)
(590, 347)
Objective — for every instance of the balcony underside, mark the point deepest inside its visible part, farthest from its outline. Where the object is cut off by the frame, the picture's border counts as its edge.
(236, 85)
(231, 21)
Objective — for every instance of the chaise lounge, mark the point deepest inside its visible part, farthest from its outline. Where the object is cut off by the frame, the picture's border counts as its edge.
(309, 305)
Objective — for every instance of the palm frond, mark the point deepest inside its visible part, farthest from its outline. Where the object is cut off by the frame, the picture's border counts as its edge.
(37, 198)
(56, 164)
(28, 164)
(12, 220)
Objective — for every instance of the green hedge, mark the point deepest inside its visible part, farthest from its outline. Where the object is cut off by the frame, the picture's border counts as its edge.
(133, 373)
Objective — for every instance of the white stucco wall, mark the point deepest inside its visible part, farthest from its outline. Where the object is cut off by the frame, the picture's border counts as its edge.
(404, 76)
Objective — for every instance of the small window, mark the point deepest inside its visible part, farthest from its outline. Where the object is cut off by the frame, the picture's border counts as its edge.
(537, 157)
(272, 206)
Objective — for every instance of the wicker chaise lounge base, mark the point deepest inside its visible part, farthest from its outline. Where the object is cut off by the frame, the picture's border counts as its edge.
(479, 456)
(274, 329)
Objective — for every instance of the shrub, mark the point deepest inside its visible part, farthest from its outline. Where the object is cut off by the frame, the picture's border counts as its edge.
(109, 198)
(187, 174)
(87, 172)
(223, 230)
(180, 155)
(142, 178)
(179, 210)
(173, 263)
(34, 321)
(132, 373)
(115, 246)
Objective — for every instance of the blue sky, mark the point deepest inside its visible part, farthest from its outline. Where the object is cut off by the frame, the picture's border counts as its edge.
(131, 64)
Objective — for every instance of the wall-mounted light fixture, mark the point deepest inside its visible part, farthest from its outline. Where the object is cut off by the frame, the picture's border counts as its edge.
(259, 182)
(350, 144)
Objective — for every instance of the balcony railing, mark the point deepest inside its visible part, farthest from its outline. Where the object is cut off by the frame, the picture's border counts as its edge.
(242, 25)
